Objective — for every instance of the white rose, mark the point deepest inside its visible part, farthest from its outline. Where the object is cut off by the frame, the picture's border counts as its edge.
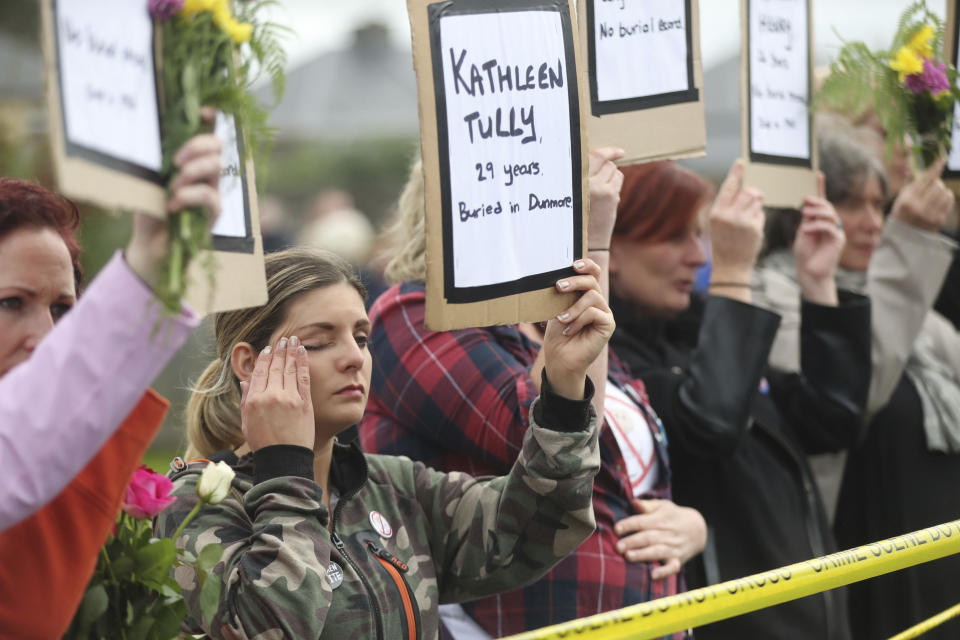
(215, 482)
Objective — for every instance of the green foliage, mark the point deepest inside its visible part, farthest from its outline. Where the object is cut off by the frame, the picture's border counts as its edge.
(132, 593)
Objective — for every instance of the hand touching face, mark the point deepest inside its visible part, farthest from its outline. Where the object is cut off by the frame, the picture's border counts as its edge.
(328, 378)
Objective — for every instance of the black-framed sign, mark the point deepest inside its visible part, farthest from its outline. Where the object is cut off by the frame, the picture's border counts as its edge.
(106, 139)
(640, 54)
(780, 82)
(508, 138)
(102, 98)
(233, 230)
(952, 52)
(645, 77)
(777, 128)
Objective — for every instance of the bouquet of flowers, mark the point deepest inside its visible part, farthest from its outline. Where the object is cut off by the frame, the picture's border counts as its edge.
(132, 594)
(212, 51)
(911, 87)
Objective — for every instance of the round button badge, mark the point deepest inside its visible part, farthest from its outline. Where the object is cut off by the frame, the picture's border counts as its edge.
(334, 575)
(380, 524)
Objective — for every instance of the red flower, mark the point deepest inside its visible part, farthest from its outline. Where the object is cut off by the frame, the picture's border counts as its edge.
(147, 494)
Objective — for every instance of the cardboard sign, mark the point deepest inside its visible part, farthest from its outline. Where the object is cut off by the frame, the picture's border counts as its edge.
(504, 160)
(106, 139)
(951, 52)
(777, 126)
(102, 97)
(237, 245)
(645, 77)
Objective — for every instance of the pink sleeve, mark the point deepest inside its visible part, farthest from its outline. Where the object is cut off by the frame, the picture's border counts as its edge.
(59, 407)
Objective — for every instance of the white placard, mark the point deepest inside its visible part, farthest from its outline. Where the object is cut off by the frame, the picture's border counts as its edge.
(506, 86)
(105, 52)
(640, 48)
(953, 160)
(233, 215)
(779, 78)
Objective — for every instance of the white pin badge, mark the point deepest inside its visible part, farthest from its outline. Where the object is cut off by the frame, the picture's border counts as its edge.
(380, 524)
(334, 575)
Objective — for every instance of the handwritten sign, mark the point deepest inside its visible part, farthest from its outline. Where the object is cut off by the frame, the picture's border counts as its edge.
(107, 83)
(952, 51)
(779, 81)
(640, 54)
(232, 229)
(509, 144)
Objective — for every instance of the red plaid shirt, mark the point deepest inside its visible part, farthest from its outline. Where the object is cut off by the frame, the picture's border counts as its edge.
(459, 400)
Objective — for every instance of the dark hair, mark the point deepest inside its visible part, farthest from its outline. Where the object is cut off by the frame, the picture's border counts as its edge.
(27, 205)
(780, 229)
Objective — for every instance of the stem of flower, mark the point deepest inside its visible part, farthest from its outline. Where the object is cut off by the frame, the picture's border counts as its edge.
(193, 512)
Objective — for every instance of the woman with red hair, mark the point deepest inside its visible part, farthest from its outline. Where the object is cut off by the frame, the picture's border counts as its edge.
(74, 419)
(739, 431)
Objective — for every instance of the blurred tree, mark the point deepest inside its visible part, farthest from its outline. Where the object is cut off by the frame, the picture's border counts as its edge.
(372, 171)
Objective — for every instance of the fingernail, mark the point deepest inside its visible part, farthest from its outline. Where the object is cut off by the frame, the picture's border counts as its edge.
(302, 350)
(267, 349)
(283, 343)
(563, 284)
(620, 547)
(563, 316)
(578, 264)
(294, 341)
(565, 330)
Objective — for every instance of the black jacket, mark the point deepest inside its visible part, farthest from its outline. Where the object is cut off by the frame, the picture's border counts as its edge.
(739, 433)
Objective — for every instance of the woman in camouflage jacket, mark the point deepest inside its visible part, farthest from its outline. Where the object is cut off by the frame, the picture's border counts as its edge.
(402, 538)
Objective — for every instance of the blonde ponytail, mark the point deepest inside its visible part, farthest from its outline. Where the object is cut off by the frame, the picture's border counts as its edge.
(213, 413)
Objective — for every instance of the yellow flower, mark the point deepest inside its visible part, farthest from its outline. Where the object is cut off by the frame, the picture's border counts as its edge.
(221, 14)
(907, 62)
(239, 32)
(193, 7)
(920, 42)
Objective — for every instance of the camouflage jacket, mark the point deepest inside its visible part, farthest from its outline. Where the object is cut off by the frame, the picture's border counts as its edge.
(404, 538)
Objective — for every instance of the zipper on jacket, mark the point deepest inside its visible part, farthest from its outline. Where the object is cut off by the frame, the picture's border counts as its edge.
(395, 568)
(338, 543)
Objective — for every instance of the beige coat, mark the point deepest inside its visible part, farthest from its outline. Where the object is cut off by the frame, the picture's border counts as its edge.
(904, 278)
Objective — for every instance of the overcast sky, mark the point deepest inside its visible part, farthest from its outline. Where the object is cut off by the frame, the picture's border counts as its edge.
(321, 25)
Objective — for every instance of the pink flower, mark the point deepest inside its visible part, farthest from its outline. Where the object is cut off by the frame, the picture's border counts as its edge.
(147, 494)
(933, 78)
(164, 9)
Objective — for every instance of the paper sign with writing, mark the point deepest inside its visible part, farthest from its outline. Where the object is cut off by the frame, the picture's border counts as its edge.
(778, 136)
(512, 188)
(232, 231)
(108, 84)
(951, 45)
(644, 74)
(106, 139)
(779, 82)
(504, 162)
(102, 101)
(640, 54)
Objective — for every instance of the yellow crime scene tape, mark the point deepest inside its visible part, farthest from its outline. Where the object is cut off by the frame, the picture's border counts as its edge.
(922, 627)
(728, 599)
